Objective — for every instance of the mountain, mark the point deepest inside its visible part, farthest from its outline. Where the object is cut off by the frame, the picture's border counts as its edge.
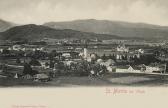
(123, 29)
(37, 32)
(4, 25)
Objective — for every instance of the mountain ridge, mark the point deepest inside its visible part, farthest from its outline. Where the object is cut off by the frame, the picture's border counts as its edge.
(5, 25)
(90, 28)
(36, 32)
(120, 28)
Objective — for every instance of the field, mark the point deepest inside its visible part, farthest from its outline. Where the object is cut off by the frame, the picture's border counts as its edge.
(112, 79)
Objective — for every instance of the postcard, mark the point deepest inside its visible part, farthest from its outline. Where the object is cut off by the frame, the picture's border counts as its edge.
(83, 53)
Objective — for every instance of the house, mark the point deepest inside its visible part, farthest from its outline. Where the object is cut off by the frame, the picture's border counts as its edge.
(66, 55)
(9, 49)
(155, 68)
(16, 76)
(1, 50)
(99, 61)
(109, 64)
(122, 69)
(150, 69)
(17, 47)
(40, 49)
(93, 56)
(70, 48)
(88, 59)
(134, 69)
(27, 77)
(141, 51)
(118, 57)
(41, 77)
(111, 69)
(68, 63)
(122, 48)
(128, 69)
(45, 64)
(122, 55)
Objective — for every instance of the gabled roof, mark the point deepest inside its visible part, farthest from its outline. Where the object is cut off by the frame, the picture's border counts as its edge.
(136, 67)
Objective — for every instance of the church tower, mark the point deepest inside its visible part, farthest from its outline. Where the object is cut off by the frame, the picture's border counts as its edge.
(85, 50)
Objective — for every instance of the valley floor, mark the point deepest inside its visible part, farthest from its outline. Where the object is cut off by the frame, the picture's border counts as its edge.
(112, 79)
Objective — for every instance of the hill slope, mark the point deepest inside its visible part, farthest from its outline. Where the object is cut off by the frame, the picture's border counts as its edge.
(122, 29)
(4, 25)
(37, 32)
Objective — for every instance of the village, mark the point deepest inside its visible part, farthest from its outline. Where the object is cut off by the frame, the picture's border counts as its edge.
(44, 61)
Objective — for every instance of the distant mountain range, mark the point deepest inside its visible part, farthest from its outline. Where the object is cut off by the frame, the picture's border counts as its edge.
(91, 28)
(123, 29)
(4, 25)
(37, 32)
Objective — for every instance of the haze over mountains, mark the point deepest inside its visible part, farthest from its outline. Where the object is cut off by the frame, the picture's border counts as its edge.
(34, 32)
(119, 28)
(91, 28)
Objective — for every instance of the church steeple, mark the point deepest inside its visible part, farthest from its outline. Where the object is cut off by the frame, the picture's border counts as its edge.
(85, 50)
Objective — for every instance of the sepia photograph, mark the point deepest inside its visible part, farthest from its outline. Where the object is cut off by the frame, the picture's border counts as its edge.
(83, 43)
(83, 53)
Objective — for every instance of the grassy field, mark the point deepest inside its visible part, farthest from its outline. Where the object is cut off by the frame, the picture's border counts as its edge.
(113, 79)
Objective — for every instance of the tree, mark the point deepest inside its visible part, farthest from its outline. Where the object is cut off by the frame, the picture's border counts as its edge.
(4, 68)
(52, 54)
(6, 51)
(27, 69)
(114, 57)
(110, 56)
(34, 62)
(83, 68)
(52, 64)
(104, 57)
(18, 61)
(103, 70)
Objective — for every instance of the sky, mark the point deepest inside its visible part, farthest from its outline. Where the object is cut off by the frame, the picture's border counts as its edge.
(41, 11)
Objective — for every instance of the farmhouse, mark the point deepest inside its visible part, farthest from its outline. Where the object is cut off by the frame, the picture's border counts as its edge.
(128, 69)
(155, 68)
(122, 48)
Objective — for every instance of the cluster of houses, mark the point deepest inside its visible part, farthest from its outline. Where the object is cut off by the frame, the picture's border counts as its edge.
(121, 52)
(152, 68)
(111, 65)
(22, 48)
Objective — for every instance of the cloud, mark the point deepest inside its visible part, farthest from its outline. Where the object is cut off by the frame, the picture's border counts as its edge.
(40, 11)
